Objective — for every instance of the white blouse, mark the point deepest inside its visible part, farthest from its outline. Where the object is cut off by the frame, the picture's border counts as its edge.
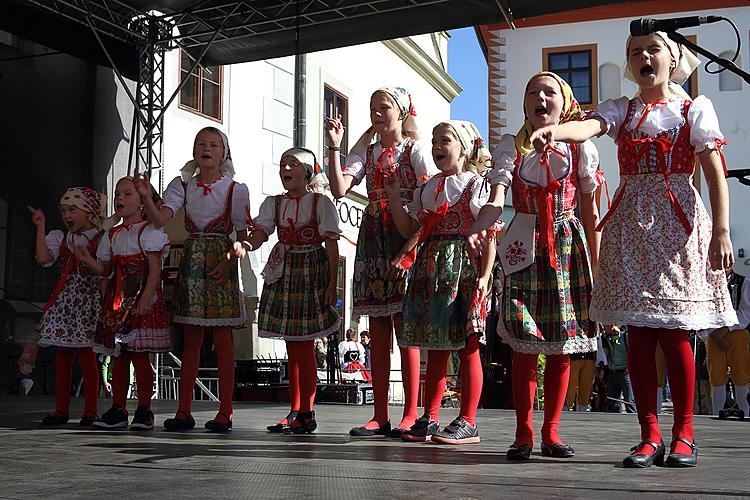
(125, 241)
(203, 208)
(704, 124)
(535, 174)
(424, 198)
(54, 240)
(421, 160)
(300, 212)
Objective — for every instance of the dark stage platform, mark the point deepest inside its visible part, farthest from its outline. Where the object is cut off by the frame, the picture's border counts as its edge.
(72, 462)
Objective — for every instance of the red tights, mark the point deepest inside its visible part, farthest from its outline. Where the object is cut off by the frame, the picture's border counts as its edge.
(303, 375)
(470, 373)
(381, 332)
(64, 379)
(680, 365)
(144, 378)
(556, 375)
(191, 352)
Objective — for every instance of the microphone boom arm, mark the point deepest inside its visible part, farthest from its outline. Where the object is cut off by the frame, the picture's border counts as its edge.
(741, 175)
(724, 63)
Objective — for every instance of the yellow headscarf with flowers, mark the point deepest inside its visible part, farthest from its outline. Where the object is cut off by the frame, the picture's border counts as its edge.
(571, 111)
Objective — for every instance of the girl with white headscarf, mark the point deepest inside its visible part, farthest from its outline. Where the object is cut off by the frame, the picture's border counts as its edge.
(386, 149)
(207, 293)
(662, 256)
(299, 288)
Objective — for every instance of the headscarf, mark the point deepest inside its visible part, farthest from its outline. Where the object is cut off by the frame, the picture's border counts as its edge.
(92, 202)
(402, 98)
(571, 111)
(316, 179)
(685, 61)
(226, 166)
(115, 219)
(479, 157)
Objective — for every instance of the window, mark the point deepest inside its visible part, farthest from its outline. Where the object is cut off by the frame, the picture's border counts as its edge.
(577, 65)
(341, 294)
(203, 92)
(335, 104)
(727, 80)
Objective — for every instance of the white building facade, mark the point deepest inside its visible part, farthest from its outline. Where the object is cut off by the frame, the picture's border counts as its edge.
(587, 47)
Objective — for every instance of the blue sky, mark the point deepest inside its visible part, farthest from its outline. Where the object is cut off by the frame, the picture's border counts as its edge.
(467, 66)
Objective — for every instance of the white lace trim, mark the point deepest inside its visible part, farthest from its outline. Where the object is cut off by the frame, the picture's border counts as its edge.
(576, 345)
(377, 311)
(61, 343)
(300, 338)
(668, 321)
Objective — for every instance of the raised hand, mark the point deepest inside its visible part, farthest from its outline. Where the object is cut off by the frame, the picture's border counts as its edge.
(142, 183)
(37, 216)
(543, 137)
(335, 131)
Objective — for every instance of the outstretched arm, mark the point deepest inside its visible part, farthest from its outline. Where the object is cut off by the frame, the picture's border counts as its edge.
(42, 254)
(571, 132)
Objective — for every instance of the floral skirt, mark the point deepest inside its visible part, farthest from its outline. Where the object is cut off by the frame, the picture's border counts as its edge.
(294, 307)
(546, 311)
(72, 318)
(442, 306)
(374, 293)
(198, 301)
(123, 329)
(652, 273)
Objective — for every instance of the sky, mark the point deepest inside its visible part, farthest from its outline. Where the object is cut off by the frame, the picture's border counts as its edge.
(467, 66)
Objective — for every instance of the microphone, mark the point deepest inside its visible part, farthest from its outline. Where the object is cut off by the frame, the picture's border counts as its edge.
(645, 26)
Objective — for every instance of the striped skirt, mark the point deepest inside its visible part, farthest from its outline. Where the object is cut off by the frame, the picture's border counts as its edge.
(294, 307)
(546, 311)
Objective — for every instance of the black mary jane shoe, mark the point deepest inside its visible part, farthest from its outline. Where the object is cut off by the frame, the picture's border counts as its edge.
(397, 432)
(558, 450)
(518, 452)
(304, 424)
(383, 431)
(682, 459)
(55, 419)
(180, 424)
(641, 461)
(217, 426)
(277, 428)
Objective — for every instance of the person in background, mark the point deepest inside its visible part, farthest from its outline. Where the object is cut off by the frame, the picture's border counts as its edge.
(618, 380)
(364, 338)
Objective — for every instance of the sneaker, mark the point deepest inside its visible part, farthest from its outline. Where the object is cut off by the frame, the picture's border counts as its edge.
(422, 430)
(114, 418)
(88, 420)
(55, 418)
(143, 420)
(457, 432)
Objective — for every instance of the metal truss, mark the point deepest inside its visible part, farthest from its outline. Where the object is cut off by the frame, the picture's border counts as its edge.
(198, 28)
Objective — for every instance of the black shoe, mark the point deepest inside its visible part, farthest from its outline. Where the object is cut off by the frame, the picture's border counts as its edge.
(642, 461)
(217, 426)
(88, 420)
(283, 427)
(397, 432)
(557, 450)
(55, 418)
(143, 420)
(304, 424)
(457, 432)
(382, 431)
(518, 452)
(179, 424)
(682, 459)
(114, 418)
(422, 430)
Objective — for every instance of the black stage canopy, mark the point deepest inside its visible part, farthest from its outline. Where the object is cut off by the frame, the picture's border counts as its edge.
(247, 30)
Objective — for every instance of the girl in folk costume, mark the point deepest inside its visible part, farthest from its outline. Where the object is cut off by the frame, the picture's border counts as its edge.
(71, 314)
(661, 262)
(377, 292)
(299, 291)
(134, 317)
(547, 256)
(445, 303)
(207, 293)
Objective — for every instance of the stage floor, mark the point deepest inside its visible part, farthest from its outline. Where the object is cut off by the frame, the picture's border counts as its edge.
(69, 461)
